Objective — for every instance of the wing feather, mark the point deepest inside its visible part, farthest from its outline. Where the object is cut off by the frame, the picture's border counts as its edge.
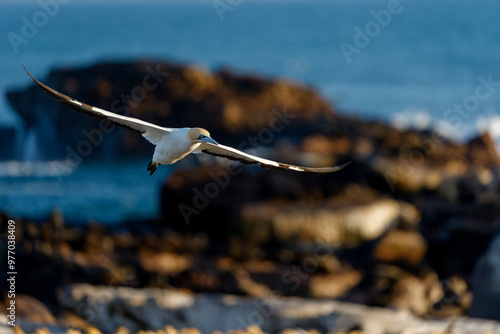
(151, 132)
(249, 159)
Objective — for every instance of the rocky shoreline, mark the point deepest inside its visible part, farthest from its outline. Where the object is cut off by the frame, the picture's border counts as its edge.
(147, 277)
(408, 226)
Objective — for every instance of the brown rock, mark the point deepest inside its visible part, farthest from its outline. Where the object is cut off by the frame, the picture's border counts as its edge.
(249, 286)
(70, 319)
(33, 310)
(334, 285)
(417, 294)
(335, 221)
(401, 246)
(164, 263)
(482, 151)
(122, 330)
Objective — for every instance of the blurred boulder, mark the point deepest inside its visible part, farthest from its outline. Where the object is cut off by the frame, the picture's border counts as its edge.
(401, 246)
(415, 161)
(486, 284)
(109, 308)
(33, 310)
(447, 227)
(334, 285)
(334, 221)
(482, 151)
(164, 263)
(417, 294)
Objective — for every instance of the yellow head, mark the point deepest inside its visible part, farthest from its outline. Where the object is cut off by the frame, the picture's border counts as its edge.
(201, 136)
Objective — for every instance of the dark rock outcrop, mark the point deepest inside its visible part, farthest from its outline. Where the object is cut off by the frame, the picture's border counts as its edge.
(232, 107)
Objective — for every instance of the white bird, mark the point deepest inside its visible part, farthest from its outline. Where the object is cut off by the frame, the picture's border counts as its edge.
(173, 144)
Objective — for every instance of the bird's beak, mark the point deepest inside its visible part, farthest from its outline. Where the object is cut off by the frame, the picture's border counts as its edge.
(206, 139)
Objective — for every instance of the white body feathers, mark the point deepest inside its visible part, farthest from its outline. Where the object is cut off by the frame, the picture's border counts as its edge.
(174, 146)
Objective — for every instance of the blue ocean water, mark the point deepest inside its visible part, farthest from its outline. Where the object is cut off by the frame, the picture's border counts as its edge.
(410, 64)
(110, 193)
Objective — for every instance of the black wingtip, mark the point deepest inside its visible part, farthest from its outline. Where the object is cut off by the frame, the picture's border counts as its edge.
(27, 71)
(345, 165)
(35, 80)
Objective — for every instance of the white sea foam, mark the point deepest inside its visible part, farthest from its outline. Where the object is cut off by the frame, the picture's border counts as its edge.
(54, 168)
(460, 130)
(412, 119)
(490, 122)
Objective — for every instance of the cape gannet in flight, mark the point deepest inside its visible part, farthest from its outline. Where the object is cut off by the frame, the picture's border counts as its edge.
(173, 144)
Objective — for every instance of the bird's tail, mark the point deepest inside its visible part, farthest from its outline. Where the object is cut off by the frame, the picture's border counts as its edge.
(152, 166)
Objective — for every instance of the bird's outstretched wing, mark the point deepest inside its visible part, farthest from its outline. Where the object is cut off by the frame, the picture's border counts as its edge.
(151, 132)
(248, 159)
